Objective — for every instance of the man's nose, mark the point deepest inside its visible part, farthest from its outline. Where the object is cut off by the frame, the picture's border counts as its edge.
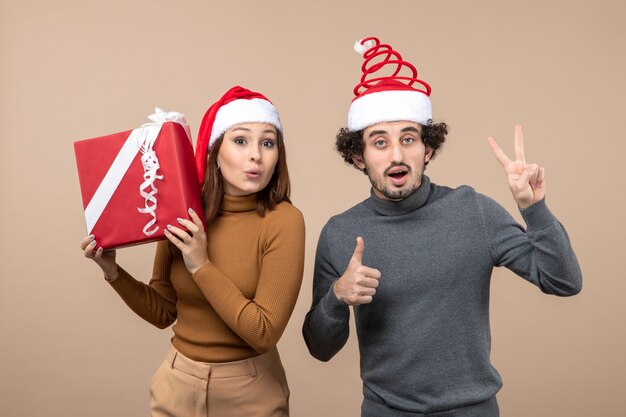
(396, 153)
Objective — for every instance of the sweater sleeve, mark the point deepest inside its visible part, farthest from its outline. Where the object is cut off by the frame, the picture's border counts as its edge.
(155, 302)
(541, 254)
(261, 321)
(326, 326)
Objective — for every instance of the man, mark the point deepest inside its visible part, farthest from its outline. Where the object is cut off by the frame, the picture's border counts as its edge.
(415, 258)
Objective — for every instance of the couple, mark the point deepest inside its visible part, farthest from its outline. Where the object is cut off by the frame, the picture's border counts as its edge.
(414, 260)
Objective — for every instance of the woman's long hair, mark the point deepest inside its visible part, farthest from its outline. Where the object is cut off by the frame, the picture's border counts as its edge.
(276, 191)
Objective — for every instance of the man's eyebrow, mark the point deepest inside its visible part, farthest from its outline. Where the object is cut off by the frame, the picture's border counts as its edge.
(410, 129)
(376, 132)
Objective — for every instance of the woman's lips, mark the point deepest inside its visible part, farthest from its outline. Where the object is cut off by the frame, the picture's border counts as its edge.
(253, 175)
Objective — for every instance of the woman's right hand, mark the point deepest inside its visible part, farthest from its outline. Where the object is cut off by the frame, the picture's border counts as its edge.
(104, 258)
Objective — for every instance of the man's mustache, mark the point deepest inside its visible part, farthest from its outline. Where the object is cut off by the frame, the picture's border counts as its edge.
(397, 164)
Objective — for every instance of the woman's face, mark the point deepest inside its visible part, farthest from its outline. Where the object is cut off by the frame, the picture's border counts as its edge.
(247, 157)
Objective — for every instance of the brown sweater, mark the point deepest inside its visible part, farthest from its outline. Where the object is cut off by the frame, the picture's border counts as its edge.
(237, 306)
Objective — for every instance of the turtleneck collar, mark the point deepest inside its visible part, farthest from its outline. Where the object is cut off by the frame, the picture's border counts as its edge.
(396, 208)
(239, 203)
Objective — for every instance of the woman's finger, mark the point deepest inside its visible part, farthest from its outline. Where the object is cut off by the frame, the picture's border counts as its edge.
(196, 219)
(175, 241)
(86, 241)
(88, 250)
(192, 227)
(179, 233)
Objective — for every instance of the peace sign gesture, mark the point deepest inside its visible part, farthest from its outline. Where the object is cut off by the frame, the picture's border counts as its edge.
(526, 181)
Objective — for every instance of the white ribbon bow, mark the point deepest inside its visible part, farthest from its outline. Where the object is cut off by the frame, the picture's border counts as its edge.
(161, 116)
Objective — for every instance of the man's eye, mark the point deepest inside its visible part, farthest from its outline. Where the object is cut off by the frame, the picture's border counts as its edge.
(408, 140)
(380, 143)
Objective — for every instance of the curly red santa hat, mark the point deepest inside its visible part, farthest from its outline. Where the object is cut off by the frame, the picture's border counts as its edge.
(387, 98)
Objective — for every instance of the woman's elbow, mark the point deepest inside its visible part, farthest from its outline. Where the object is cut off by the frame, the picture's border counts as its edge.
(265, 342)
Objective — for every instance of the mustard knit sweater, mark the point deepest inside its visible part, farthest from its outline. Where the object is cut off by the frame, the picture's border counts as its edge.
(236, 306)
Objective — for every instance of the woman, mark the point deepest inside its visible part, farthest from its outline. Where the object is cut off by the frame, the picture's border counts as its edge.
(230, 289)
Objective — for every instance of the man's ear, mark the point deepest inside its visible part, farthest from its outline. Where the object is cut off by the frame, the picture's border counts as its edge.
(358, 161)
(429, 154)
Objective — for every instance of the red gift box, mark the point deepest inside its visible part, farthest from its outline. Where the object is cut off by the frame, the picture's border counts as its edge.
(135, 183)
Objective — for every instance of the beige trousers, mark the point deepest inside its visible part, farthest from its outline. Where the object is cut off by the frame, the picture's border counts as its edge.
(182, 387)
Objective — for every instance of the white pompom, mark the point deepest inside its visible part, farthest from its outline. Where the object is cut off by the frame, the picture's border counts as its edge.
(362, 48)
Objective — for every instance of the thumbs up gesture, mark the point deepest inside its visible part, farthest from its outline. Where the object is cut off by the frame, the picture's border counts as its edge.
(358, 283)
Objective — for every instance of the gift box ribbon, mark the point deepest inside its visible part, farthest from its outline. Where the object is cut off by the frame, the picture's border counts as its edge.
(140, 140)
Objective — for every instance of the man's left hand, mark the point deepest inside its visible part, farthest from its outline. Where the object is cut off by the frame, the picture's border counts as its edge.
(526, 181)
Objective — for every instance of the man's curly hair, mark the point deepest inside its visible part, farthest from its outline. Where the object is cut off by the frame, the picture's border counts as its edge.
(350, 144)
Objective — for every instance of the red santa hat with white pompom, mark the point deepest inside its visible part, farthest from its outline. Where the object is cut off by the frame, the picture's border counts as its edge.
(237, 105)
(387, 98)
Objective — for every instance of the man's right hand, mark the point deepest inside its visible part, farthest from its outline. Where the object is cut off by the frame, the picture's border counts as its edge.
(358, 283)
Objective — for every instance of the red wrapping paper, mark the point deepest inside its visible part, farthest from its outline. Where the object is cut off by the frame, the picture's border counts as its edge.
(121, 224)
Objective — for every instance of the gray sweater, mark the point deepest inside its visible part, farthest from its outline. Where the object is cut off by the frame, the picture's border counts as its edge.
(425, 339)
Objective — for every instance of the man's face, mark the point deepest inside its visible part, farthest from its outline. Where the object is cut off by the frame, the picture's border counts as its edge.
(393, 158)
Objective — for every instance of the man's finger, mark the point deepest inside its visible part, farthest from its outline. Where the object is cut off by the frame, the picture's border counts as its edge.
(370, 282)
(540, 184)
(541, 177)
(366, 299)
(367, 291)
(533, 169)
(526, 177)
(498, 152)
(370, 272)
(358, 250)
(519, 144)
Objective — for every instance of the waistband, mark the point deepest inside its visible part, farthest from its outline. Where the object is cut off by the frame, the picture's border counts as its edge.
(206, 370)
(487, 408)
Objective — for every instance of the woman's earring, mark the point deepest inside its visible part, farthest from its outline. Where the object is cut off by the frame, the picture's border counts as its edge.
(217, 163)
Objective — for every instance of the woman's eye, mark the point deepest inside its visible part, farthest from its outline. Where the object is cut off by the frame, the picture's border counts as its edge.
(268, 143)
(239, 141)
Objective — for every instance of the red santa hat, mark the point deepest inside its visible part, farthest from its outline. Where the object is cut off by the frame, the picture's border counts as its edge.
(387, 98)
(237, 105)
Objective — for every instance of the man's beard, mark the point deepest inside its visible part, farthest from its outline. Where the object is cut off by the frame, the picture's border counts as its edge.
(393, 194)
